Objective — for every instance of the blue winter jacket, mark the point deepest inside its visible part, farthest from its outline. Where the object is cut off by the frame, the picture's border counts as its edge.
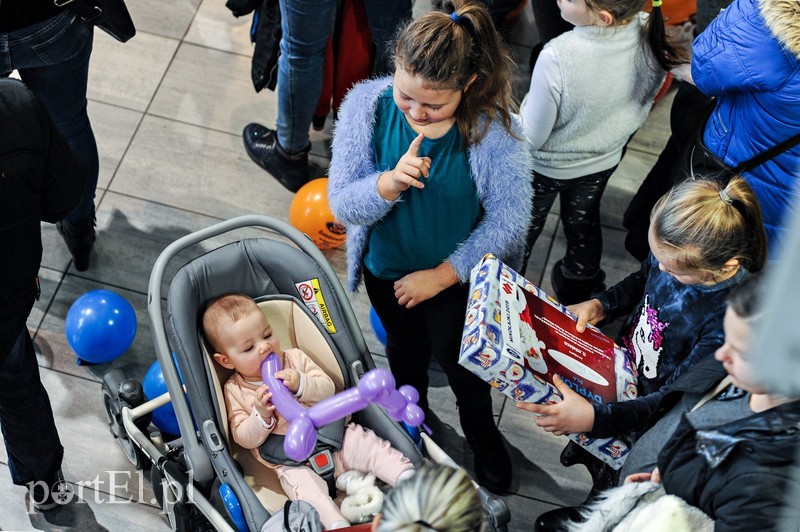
(749, 57)
(501, 170)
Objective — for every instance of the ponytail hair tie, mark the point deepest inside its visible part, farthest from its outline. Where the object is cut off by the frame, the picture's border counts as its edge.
(725, 197)
(657, 3)
(463, 22)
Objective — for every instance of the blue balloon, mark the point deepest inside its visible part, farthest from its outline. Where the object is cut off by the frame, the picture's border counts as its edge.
(154, 386)
(377, 326)
(100, 326)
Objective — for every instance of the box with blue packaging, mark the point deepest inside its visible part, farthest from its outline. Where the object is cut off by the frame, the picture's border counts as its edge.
(517, 337)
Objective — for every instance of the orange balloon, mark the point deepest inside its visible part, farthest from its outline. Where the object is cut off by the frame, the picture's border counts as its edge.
(310, 214)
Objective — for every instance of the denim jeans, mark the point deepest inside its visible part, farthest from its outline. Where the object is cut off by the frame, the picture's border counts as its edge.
(26, 418)
(306, 26)
(52, 58)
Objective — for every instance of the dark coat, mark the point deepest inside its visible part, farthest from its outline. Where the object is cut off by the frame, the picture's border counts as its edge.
(40, 180)
(749, 57)
(741, 473)
(643, 412)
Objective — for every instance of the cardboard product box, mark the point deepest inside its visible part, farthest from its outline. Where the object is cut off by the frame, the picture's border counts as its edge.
(517, 337)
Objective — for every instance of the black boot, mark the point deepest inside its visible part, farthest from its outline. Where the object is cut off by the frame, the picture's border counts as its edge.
(80, 239)
(291, 170)
(571, 290)
(558, 519)
(603, 475)
(492, 461)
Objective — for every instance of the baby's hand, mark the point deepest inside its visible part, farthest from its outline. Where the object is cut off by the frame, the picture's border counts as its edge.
(408, 172)
(573, 414)
(263, 405)
(290, 377)
(591, 312)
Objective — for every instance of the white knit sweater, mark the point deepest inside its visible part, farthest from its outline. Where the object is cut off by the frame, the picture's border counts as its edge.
(591, 89)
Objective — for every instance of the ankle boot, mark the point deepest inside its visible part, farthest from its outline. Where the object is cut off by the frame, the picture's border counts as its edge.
(291, 170)
(603, 475)
(570, 290)
(79, 238)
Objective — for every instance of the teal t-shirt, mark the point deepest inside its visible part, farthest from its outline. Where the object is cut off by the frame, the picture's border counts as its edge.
(426, 225)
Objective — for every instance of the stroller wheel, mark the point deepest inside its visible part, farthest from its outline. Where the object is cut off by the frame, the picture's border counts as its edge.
(113, 406)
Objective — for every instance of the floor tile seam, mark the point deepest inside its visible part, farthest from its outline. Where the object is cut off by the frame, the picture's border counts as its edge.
(161, 80)
(214, 218)
(104, 492)
(127, 147)
(182, 40)
(86, 277)
(99, 383)
(172, 119)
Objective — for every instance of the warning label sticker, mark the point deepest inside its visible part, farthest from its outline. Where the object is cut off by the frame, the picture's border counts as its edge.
(311, 294)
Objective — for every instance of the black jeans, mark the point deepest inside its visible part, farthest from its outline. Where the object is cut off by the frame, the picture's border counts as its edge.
(580, 214)
(34, 449)
(433, 328)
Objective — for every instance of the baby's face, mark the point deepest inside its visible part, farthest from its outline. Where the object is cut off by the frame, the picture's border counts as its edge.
(247, 342)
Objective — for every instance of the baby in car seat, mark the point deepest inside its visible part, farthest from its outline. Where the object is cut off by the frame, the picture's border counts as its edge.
(241, 338)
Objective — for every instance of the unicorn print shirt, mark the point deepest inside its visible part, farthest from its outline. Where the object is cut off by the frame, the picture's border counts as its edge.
(669, 325)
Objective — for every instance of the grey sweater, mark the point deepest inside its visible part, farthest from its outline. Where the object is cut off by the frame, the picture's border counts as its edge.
(591, 89)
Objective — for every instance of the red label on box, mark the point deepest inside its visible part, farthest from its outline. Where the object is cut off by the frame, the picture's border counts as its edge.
(585, 361)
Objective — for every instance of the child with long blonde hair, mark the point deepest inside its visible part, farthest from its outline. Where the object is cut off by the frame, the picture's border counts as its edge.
(429, 174)
(705, 238)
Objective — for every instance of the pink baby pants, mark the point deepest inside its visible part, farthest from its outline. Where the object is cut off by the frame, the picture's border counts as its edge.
(361, 450)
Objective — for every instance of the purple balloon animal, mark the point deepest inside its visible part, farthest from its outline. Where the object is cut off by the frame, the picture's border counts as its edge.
(376, 386)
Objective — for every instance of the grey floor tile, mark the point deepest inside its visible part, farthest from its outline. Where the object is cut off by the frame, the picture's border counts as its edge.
(89, 511)
(169, 18)
(113, 128)
(540, 255)
(623, 185)
(92, 457)
(54, 251)
(197, 170)
(211, 88)
(616, 262)
(214, 26)
(128, 74)
(55, 353)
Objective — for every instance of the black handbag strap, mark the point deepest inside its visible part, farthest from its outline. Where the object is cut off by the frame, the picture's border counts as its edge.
(759, 158)
(765, 156)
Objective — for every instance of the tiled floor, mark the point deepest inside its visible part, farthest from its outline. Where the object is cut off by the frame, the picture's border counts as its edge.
(168, 108)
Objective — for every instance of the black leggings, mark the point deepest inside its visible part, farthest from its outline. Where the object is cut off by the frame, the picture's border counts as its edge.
(433, 328)
(580, 214)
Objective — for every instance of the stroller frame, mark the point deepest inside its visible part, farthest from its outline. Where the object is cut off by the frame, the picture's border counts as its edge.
(185, 465)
